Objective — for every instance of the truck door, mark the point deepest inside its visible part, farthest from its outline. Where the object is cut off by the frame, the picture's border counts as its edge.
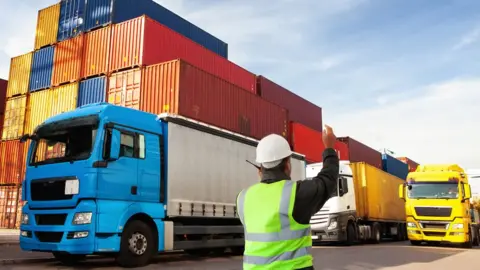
(149, 167)
(119, 179)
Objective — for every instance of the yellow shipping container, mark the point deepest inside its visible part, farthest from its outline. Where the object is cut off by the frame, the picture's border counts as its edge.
(38, 109)
(47, 103)
(14, 118)
(376, 194)
(64, 98)
(19, 77)
(47, 26)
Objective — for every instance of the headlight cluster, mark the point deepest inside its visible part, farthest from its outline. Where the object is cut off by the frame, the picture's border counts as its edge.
(411, 225)
(82, 218)
(333, 224)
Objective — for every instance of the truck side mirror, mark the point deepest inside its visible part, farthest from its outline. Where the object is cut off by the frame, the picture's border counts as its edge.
(115, 145)
(401, 191)
(468, 192)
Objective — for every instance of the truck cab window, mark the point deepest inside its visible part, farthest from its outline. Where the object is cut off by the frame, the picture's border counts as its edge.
(127, 146)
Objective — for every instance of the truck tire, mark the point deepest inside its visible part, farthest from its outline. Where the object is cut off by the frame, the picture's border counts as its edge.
(137, 245)
(68, 259)
(351, 234)
(377, 233)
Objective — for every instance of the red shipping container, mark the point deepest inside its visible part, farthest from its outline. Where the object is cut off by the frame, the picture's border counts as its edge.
(12, 161)
(412, 165)
(96, 52)
(143, 41)
(3, 100)
(299, 109)
(306, 141)
(67, 61)
(359, 152)
(181, 88)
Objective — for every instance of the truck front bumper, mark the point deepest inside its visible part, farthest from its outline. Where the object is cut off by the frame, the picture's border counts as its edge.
(421, 230)
(328, 232)
(59, 234)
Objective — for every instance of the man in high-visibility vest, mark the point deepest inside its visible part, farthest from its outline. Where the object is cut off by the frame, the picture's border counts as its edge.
(276, 212)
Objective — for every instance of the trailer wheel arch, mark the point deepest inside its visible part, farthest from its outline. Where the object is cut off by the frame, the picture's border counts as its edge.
(147, 220)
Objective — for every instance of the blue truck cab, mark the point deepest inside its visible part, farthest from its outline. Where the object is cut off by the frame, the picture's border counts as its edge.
(98, 182)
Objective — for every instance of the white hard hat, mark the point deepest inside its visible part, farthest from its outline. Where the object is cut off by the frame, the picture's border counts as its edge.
(271, 150)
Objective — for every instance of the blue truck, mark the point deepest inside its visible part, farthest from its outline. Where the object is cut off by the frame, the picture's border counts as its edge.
(114, 181)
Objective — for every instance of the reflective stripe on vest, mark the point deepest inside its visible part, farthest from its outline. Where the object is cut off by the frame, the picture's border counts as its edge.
(286, 233)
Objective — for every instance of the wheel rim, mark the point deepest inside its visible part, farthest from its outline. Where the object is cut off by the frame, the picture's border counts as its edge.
(377, 235)
(137, 243)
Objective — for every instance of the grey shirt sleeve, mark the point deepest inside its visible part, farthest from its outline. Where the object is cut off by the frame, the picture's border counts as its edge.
(312, 194)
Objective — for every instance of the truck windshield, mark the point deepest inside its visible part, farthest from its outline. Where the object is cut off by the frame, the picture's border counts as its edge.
(63, 145)
(434, 190)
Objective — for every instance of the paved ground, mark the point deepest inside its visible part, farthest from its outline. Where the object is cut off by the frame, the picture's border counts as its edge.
(387, 256)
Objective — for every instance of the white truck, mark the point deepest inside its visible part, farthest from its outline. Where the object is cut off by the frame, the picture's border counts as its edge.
(365, 206)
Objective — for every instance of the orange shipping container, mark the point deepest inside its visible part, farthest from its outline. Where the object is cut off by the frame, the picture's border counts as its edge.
(19, 77)
(96, 53)
(67, 62)
(180, 88)
(14, 118)
(9, 203)
(12, 161)
(47, 26)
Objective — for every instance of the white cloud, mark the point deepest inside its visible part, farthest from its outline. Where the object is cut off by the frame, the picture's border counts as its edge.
(468, 39)
(438, 126)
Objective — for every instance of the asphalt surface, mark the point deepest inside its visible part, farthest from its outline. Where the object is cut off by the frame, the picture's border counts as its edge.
(386, 256)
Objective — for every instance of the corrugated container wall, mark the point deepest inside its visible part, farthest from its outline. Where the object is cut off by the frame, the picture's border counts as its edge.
(3, 97)
(92, 91)
(143, 41)
(42, 69)
(307, 141)
(102, 12)
(67, 62)
(376, 193)
(63, 98)
(14, 118)
(412, 165)
(359, 152)
(12, 162)
(71, 22)
(96, 52)
(180, 88)
(19, 78)
(299, 109)
(394, 166)
(9, 207)
(47, 26)
(39, 109)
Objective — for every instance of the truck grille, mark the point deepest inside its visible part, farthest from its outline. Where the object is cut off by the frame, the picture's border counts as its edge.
(433, 211)
(49, 237)
(51, 219)
(436, 226)
(49, 190)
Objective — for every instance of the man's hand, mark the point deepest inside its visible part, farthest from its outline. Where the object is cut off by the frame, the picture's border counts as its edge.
(329, 137)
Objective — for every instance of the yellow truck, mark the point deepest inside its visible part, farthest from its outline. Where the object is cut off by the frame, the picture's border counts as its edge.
(437, 206)
(364, 208)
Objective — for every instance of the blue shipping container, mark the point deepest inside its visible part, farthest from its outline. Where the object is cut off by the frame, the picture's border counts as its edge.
(103, 12)
(42, 69)
(71, 23)
(394, 166)
(92, 91)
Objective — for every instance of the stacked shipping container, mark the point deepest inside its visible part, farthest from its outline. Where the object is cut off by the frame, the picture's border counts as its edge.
(394, 166)
(412, 165)
(3, 97)
(139, 54)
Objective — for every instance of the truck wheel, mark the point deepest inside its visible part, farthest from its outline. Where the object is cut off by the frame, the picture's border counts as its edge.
(68, 259)
(377, 233)
(137, 245)
(351, 235)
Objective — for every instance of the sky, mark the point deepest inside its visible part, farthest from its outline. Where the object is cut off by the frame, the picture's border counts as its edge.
(400, 75)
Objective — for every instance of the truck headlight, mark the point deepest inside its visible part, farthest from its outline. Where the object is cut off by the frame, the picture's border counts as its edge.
(82, 218)
(457, 226)
(333, 224)
(411, 225)
(24, 219)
